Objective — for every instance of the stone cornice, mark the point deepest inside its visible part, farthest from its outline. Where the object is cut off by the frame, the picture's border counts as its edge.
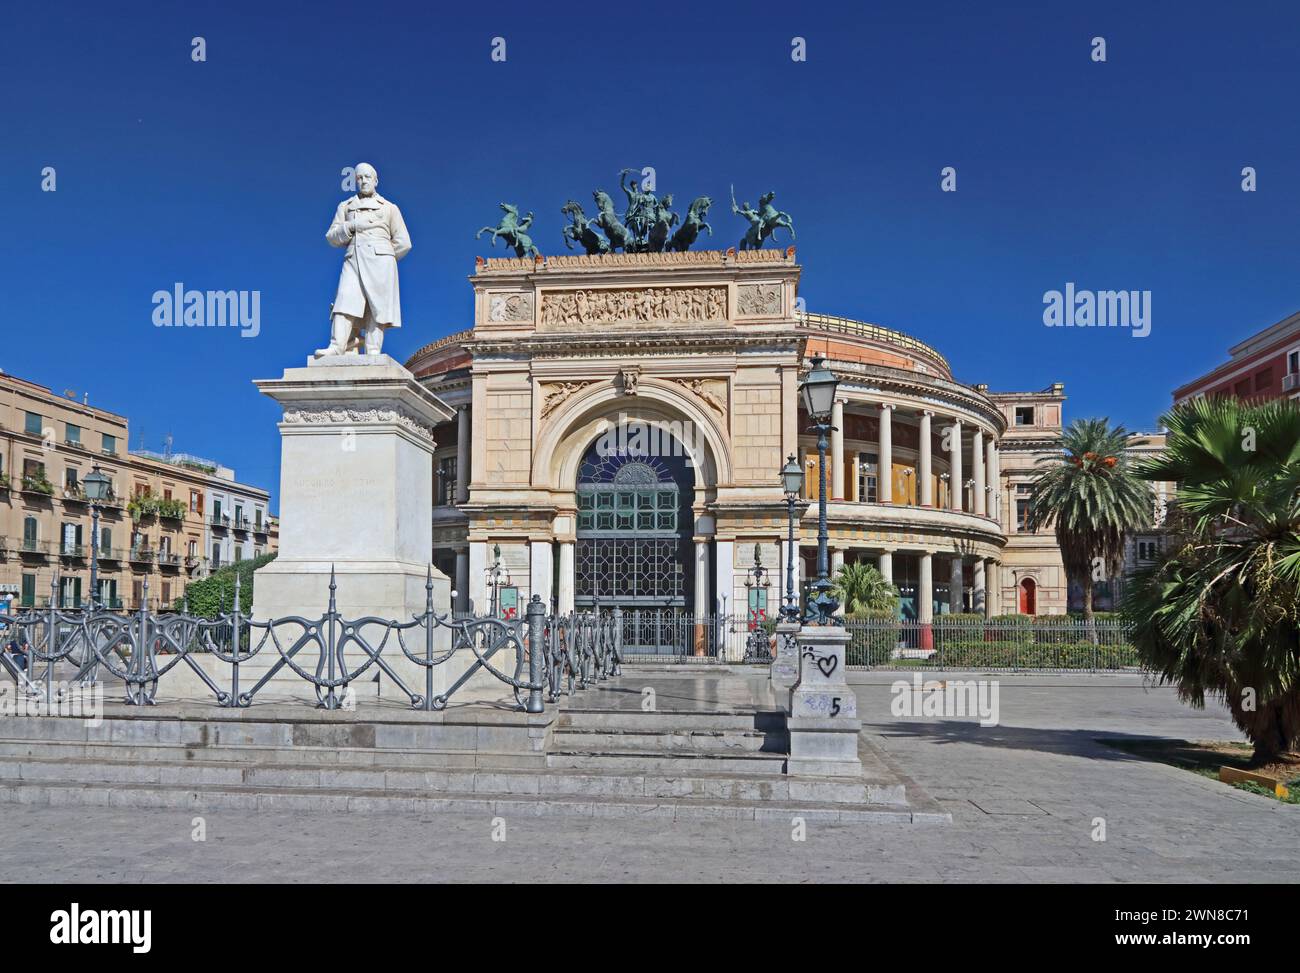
(642, 341)
(923, 385)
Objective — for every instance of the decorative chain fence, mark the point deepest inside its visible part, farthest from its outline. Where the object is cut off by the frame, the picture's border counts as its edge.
(329, 652)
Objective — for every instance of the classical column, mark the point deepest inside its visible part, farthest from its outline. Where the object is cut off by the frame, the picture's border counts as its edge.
(885, 476)
(565, 602)
(702, 601)
(540, 569)
(979, 603)
(463, 435)
(956, 585)
(955, 488)
(887, 565)
(925, 599)
(979, 507)
(837, 562)
(478, 564)
(837, 450)
(926, 466)
(724, 598)
(462, 581)
(995, 481)
(994, 587)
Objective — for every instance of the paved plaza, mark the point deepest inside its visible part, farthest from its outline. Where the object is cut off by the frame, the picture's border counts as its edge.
(1023, 795)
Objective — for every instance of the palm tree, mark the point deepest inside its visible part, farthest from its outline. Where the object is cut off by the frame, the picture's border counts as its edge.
(861, 588)
(1220, 615)
(1091, 497)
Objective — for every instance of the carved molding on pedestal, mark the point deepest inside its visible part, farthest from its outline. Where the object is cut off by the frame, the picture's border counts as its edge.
(380, 413)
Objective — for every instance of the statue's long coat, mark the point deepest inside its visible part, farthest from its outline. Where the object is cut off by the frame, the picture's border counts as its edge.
(369, 276)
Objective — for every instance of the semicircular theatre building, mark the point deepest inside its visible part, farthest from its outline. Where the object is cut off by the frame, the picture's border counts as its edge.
(622, 420)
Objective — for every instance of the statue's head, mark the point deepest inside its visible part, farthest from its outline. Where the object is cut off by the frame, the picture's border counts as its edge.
(766, 198)
(367, 179)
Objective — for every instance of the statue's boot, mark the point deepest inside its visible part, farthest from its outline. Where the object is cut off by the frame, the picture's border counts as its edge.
(340, 333)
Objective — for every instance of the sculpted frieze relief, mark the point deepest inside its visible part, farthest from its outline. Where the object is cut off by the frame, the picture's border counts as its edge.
(510, 307)
(650, 305)
(712, 392)
(753, 300)
(554, 396)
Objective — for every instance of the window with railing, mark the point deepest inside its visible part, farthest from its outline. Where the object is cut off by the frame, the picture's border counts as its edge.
(868, 470)
(109, 444)
(446, 481)
(72, 434)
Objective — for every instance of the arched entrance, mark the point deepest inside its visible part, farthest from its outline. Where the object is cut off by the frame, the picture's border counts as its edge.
(1028, 597)
(634, 538)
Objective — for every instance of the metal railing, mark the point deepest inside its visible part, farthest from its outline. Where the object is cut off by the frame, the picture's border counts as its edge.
(140, 649)
(1044, 643)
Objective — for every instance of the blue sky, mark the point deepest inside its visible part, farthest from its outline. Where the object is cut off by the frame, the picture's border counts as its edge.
(224, 175)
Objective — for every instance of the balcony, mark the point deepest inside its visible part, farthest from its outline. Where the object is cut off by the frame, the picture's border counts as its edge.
(72, 550)
(168, 560)
(38, 486)
(219, 520)
(141, 555)
(74, 494)
(1291, 383)
(29, 546)
(110, 553)
(243, 524)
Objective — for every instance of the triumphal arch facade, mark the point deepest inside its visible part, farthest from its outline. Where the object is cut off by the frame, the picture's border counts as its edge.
(621, 420)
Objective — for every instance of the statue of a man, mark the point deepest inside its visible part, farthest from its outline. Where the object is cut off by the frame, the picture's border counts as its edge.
(367, 302)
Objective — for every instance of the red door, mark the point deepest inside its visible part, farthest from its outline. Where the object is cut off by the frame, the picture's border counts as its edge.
(1028, 597)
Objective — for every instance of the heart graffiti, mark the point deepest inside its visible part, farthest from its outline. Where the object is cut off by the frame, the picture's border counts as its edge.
(827, 664)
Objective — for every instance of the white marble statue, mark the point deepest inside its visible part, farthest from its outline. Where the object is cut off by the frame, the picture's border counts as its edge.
(367, 302)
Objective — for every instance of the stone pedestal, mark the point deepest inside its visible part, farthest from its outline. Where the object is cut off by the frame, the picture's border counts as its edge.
(356, 496)
(783, 673)
(823, 723)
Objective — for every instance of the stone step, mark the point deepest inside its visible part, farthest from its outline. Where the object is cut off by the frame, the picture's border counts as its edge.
(363, 757)
(668, 761)
(550, 783)
(715, 741)
(603, 719)
(496, 732)
(218, 797)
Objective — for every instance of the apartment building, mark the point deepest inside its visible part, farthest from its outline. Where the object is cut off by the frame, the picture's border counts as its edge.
(1264, 366)
(1033, 574)
(153, 536)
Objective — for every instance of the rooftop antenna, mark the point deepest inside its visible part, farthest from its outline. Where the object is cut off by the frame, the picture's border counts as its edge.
(167, 446)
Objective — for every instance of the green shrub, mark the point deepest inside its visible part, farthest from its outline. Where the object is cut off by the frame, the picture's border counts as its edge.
(216, 593)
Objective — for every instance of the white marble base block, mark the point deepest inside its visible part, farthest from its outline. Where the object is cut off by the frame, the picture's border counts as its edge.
(823, 723)
(356, 496)
(783, 673)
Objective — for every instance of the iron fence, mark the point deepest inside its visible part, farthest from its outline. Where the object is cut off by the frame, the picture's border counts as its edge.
(1045, 643)
(329, 652)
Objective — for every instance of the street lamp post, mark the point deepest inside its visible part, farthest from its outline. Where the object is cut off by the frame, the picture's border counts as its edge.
(97, 487)
(792, 484)
(818, 394)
